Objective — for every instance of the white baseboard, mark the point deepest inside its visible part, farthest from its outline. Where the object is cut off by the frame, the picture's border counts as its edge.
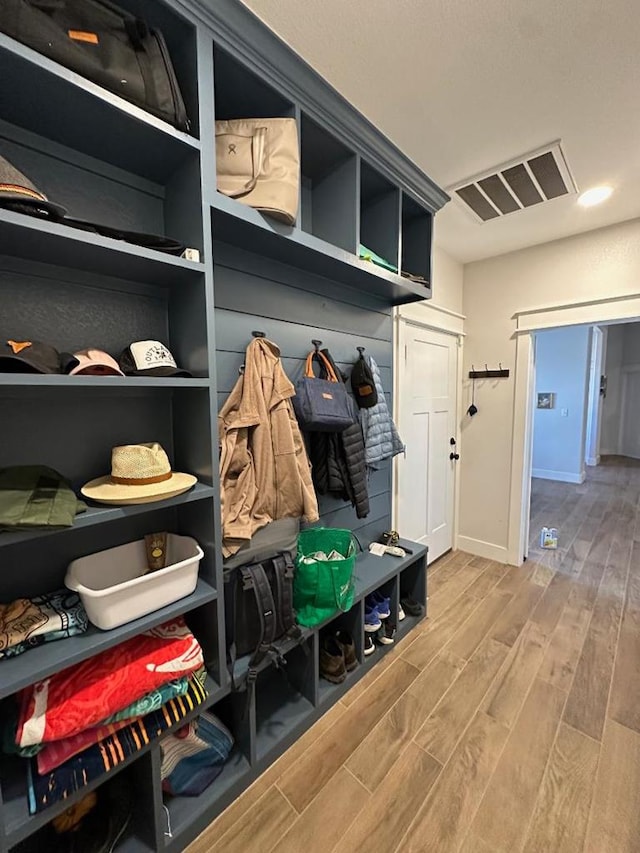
(482, 549)
(559, 476)
(593, 460)
(609, 452)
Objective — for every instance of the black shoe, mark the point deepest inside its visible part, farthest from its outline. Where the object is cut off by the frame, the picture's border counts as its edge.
(332, 665)
(386, 636)
(411, 607)
(369, 645)
(345, 641)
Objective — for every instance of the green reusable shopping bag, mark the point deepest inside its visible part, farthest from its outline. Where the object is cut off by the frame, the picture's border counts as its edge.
(323, 587)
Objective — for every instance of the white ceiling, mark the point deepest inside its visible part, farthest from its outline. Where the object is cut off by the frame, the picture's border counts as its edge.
(464, 85)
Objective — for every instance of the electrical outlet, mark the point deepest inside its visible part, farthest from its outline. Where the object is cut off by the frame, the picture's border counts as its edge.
(564, 413)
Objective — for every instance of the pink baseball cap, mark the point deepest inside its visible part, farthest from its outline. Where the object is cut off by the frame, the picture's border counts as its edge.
(94, 362)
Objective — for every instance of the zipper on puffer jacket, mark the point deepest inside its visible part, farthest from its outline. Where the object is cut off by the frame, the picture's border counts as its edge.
(182, 120)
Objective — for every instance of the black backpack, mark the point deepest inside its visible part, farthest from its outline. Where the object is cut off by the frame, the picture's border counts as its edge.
(104, 43)
(259, 613)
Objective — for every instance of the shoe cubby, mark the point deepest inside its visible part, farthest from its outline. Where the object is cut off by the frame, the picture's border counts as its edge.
(181, 811)
(413, 584)
(329, 187)
(416, 239)
(90, 189)
(40, 94)
(284, 701)
(379, 214)
(349, 623)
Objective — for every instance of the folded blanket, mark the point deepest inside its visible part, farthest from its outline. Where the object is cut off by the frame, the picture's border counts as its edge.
(87, 693)
(26, 623)
(78, 771)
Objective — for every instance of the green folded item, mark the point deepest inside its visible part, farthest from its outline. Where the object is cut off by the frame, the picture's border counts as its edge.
(367, 255)
(34, 496)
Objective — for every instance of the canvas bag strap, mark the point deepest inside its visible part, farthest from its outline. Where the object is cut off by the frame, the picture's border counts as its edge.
(258, 147)
(325, 363)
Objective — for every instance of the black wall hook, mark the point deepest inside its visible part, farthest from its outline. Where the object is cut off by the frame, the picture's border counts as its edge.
(317, 344)
(259, 334)
(360, 349)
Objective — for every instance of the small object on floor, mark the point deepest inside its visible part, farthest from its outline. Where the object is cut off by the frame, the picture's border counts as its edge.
(332, 665)
(411, 606)
(386, 636)
(381, 603)
(369, 645)
(348, 647)
(401, 614)
(549, 537)
(371, 619)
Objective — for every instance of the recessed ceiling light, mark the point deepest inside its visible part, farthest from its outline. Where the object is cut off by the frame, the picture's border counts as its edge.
(596, 195)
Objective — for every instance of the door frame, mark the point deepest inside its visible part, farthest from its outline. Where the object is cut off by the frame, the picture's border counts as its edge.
(597, 312)
(442, 321)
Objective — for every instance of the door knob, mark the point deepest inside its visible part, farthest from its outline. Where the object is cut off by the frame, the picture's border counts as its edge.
(454, 457)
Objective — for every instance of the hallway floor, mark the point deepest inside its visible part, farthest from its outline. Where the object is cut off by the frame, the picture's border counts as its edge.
(509, 721)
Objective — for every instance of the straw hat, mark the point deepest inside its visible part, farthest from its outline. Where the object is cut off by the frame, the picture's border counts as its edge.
(140, 473)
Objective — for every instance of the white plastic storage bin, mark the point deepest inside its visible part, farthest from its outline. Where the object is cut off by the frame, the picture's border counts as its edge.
(115, 586)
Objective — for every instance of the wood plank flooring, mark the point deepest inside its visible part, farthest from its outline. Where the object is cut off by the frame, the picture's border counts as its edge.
(507, 721)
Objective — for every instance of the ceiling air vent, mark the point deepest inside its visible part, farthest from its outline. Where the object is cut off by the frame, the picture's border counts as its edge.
(529, 180)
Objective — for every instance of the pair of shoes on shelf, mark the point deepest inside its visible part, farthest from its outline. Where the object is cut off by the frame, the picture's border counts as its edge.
(411, 606)
(376, 609)
(337, 656)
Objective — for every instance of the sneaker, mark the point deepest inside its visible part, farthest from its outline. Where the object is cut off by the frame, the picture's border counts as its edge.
(401, 613)
(411, 606)
(332, 665)
(371, 618)
(345, 641)
(386, 636)
(369, 645)
(381, 603)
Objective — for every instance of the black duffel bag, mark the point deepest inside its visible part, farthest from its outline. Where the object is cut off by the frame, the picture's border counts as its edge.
(104, 43)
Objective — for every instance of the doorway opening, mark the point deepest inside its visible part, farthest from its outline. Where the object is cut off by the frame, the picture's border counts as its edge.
(585, 442)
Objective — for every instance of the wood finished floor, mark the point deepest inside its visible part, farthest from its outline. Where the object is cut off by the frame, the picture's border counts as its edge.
(509, 721)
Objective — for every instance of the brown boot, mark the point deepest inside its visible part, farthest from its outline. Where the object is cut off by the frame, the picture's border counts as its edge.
(332, 666)
(345, 641)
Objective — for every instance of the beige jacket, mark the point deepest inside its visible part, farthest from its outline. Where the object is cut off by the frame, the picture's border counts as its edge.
(264, 470)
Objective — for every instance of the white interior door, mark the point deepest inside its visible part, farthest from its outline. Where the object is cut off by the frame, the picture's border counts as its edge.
(425, 486)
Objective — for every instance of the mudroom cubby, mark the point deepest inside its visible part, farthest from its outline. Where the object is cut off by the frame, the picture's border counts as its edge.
(416, 239)
(379, 215)
(111, 162)
(98, 191)
(351, 624)
(329, 187)
(413, 585)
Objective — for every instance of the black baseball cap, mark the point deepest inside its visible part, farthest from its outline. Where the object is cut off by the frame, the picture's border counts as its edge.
(29, 357)
(362, 382)
(19, 193)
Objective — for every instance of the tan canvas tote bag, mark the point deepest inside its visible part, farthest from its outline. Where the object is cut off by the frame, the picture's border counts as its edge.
(258, 163)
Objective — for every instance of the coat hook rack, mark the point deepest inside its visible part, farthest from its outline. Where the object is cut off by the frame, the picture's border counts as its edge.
(489, 373)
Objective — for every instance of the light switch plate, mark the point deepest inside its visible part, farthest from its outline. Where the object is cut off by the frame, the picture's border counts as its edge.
(564, 413)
